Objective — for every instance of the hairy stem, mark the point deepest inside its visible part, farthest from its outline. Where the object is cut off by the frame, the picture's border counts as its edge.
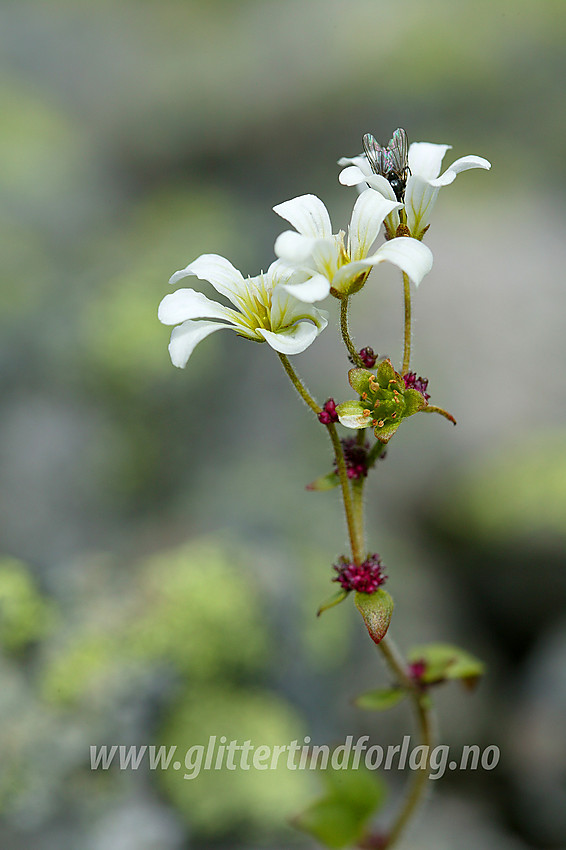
(352, 495)
(358, 509)
(417, 786)
(351, 521)
(375, 452)
(354, 516)
(354, 356)
(397, 666)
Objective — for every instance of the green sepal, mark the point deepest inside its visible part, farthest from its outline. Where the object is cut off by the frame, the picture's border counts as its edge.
(384, 434)
(351, 414)
(333, 600)
(341, 817)
(377, 610)
(325, 482)
(359, 379)
(386, 374)
(414, 401)
(444, 661)
(380, 700)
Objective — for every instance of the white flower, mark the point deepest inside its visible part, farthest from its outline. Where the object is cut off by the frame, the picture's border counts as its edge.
(423, 185)
(266, 309)
(324, 258)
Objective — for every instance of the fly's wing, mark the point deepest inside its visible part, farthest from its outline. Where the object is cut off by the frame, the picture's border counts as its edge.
(398, 151)
(375, 154)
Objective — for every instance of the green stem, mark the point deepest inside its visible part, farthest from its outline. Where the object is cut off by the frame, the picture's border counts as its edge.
(358, 510)
(407, 341)
(353, 506)
(351, 521)
(397, 666)
(355, 357)
(354, 518)
(376, 451)
(417, 787)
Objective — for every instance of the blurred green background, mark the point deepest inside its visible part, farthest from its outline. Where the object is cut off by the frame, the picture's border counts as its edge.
(161, 560)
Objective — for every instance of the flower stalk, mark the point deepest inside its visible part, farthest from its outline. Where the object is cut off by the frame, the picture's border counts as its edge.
(345, 331)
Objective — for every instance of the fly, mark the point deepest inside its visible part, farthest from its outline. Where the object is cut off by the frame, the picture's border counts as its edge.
(392, 162)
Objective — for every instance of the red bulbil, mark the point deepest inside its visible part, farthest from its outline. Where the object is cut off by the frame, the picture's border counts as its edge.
(368, 357)
(366, 577)
(417, 669)
(355, 456)
(328, 413)
(414, 383)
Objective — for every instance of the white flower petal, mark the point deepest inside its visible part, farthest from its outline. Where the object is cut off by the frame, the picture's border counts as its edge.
(367, 217)
(382, 185)
(315, 288)
(291, 341)
(287, 310)
(364, 176)
(420, 196)
(185, 338)
(224, 277)
(352, 176)
(293, 248)
(411, 256)
(279, 272)
(346, 275)
(360, 160)
(462, 164)
(307, 214)
(188, 304)
(425, 159)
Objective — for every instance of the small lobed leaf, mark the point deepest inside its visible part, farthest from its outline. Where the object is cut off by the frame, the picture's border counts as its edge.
(353, 795)
(445, 661)
(331, 822)
(325, 482)
(381, 699)
(361, 789)
(333, 600)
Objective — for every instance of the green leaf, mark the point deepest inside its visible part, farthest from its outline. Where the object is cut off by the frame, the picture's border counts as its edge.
(340, 818)
(331, 822)
(381, 699)
(325, 482)
(360, 788)
(333, 600)
(445, 661)
(376, 609)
